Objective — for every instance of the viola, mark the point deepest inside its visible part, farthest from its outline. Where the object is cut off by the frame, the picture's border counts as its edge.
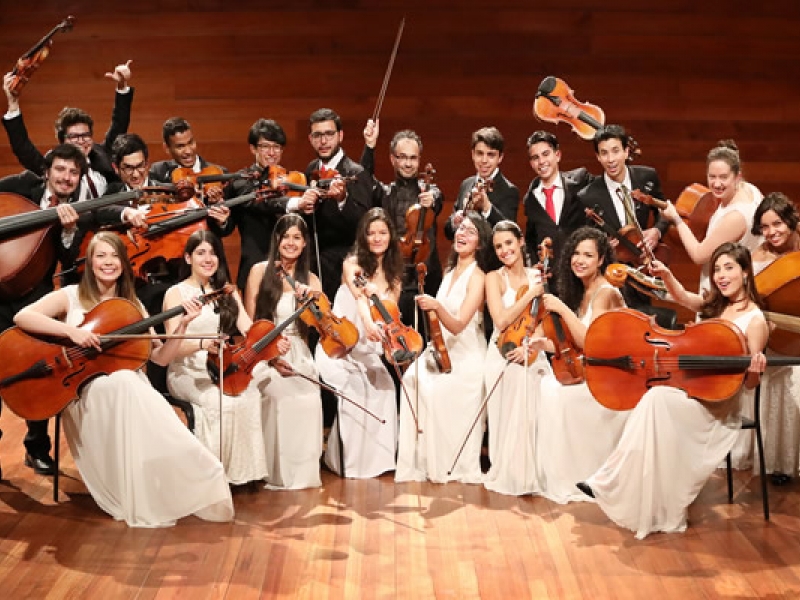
(779, 286)
(28, 63)
(337, 335)
(26, 253)
(555, 103)
(626, 354)
(433, 328)
(40, 378)
(618, 275)
(238, 360)
(630, 237)
(523, 327)
(401, 343)
(414, 244)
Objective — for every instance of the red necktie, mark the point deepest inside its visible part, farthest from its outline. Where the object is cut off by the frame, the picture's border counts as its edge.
(549, 205)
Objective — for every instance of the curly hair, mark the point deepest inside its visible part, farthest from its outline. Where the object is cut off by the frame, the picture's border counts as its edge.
(569, 287)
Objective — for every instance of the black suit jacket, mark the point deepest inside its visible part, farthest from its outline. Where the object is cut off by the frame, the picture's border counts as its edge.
(100, 156)
(539, 224)
(596, 195)
(504, 198)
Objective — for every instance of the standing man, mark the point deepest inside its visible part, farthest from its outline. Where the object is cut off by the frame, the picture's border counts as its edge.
(495, 204)
(551, 204)
(333, 217)
(64, 166)
(75, 126)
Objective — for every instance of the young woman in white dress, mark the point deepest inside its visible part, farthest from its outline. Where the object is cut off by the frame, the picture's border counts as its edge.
(292, 405)
(512, 409)
(672, 443)
(243, 449)
(579, 433)
(138, 460)
(777, 220)
(446, 404)
(359, 446)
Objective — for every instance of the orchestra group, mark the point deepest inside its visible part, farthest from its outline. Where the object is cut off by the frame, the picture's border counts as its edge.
(345, 343)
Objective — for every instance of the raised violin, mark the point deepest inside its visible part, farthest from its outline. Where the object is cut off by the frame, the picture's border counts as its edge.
(626, 353)
(401, 343)
(28, 63)
(555, 103)
(39, 378)
(414, 243)
(433, 328)
(337, 335)
(260, 343)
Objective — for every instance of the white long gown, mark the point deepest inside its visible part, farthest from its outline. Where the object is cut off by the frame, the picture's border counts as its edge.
(292, 412)
(670, 447)
(446, 404)
(579, 435)
(369, 446)
(243, 447)
(513, 413)
(139, 462)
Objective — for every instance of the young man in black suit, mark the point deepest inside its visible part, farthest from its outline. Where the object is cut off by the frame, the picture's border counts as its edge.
(502, 202)
(551, 204)
(75, 126)
(336, 215)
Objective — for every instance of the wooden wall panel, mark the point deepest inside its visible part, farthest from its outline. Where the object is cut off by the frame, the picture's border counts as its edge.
(680, 75)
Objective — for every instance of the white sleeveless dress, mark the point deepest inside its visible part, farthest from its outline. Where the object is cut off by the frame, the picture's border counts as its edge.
(369, 446)
(670, 447)
(577, 435)
(138, 460)
(513, 412)
(292, 412)
(446, 404)
(243, 446)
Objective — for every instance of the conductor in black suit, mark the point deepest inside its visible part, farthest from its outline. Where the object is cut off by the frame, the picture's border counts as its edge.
(502, 201)
(75, 126)
(551, 204)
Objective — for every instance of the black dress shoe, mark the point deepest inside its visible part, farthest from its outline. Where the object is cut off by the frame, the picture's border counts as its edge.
(585, 489)
(41, 465)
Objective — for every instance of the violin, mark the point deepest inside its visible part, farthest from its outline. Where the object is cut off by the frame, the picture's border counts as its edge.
(401, 343)
(695, 203)
(523, 327)
(337, 335)
(630, 237)
(414, 244)
(40, 378)
(283, 182)
(555, 103)
(779, 286)
(28, 63)
(238, 360)
(619, 274)
(208, 178)
(626, 354)
(484, 185)
(433, 328)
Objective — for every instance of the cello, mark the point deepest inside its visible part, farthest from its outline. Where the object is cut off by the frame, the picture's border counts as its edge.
(433, 328)
(626, 353)
(695, 203)
(39, 378)
(414, 244)
(779, 286)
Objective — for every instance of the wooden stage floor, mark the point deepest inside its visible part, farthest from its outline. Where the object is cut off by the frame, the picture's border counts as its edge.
(375, 539)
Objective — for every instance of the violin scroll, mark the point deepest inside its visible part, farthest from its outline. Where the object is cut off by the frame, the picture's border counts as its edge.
(28, 63)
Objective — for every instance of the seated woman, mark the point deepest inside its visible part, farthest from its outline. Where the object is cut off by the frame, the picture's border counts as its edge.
(243, 450)
(447, 403)
(359, 446)
(579, 433)
(292, 405)
(513, 407)
(139, 462)
(672, 443)
(777, 220)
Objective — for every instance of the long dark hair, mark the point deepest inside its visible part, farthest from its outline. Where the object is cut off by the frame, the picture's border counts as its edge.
(271, 287)
(484, 254)
(226, 304)
(715, 303)
(569, 286)
(392, 259)
(781, 206)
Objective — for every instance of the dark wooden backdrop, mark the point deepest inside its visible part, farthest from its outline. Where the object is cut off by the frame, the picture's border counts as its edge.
(679, 74)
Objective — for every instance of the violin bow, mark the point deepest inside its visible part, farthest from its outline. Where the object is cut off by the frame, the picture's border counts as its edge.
(399, 374)
(388, 75)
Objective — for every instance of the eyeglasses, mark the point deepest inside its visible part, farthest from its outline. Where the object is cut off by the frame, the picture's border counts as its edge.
(328, 135)
(269, 147)
(131, 169)
(406, 157)
(79, 137)
(467, 230)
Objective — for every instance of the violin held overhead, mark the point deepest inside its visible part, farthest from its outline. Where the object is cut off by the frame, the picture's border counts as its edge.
(30, 61)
